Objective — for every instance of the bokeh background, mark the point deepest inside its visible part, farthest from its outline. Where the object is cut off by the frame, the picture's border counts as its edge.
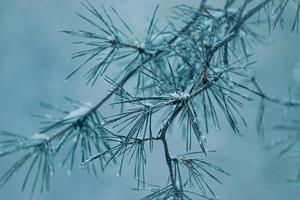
(34, 60)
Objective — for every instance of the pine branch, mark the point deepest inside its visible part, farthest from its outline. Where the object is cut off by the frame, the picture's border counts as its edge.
(188, 76)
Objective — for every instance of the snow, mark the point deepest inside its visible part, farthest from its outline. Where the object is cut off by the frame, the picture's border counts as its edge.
(180, 95)
(40, 136)
(142, 45)
(139, 44)
(232, 10)
(110, 38)
(82, 110)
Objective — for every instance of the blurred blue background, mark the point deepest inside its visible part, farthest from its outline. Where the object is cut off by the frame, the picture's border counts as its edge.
(34, 60)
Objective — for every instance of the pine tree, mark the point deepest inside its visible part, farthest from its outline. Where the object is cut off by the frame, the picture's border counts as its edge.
(192, 73)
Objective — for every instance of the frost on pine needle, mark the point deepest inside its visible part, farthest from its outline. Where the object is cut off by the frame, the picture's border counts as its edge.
(181, 95)
(192, 73)
(81, 111)
(40, 136)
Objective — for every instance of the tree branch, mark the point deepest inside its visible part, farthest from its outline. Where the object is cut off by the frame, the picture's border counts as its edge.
(136, 69)
(168, 158)
(233, 32)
